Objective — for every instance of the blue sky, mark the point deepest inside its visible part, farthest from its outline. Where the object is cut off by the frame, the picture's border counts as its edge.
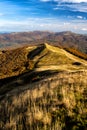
(45, 15)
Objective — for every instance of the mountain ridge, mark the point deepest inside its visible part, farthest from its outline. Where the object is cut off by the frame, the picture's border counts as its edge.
(41, 57)
(64, 39)
(42, 87)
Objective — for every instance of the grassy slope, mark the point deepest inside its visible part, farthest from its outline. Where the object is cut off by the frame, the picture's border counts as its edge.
(56, 102)
(54, 58)
(39, 58)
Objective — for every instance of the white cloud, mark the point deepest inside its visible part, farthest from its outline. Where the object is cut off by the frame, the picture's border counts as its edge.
(50, 24)
(84, 29)
(80, 17)
(73, 1)
(81, 7)
(69, 1)
(66, 23)
(45, 0)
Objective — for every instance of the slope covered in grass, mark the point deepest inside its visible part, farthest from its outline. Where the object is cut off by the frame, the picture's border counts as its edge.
(42, 88)
(55, 58)
(38, 58)
(57, 102)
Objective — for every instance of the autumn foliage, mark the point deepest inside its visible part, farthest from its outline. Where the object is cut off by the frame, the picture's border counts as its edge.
(76, 53)
(14, 62)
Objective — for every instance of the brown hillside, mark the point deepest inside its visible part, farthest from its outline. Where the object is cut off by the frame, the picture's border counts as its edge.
(65, 39)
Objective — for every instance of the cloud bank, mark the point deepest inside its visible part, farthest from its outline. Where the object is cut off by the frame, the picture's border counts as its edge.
(44, 24)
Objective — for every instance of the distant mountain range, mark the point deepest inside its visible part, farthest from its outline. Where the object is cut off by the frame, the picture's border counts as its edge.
(64, 39)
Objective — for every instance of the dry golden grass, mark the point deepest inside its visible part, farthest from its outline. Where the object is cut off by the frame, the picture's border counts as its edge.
(57, 102)
(54, 58)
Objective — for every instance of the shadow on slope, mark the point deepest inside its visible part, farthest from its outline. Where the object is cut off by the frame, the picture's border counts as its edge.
(57, 102)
